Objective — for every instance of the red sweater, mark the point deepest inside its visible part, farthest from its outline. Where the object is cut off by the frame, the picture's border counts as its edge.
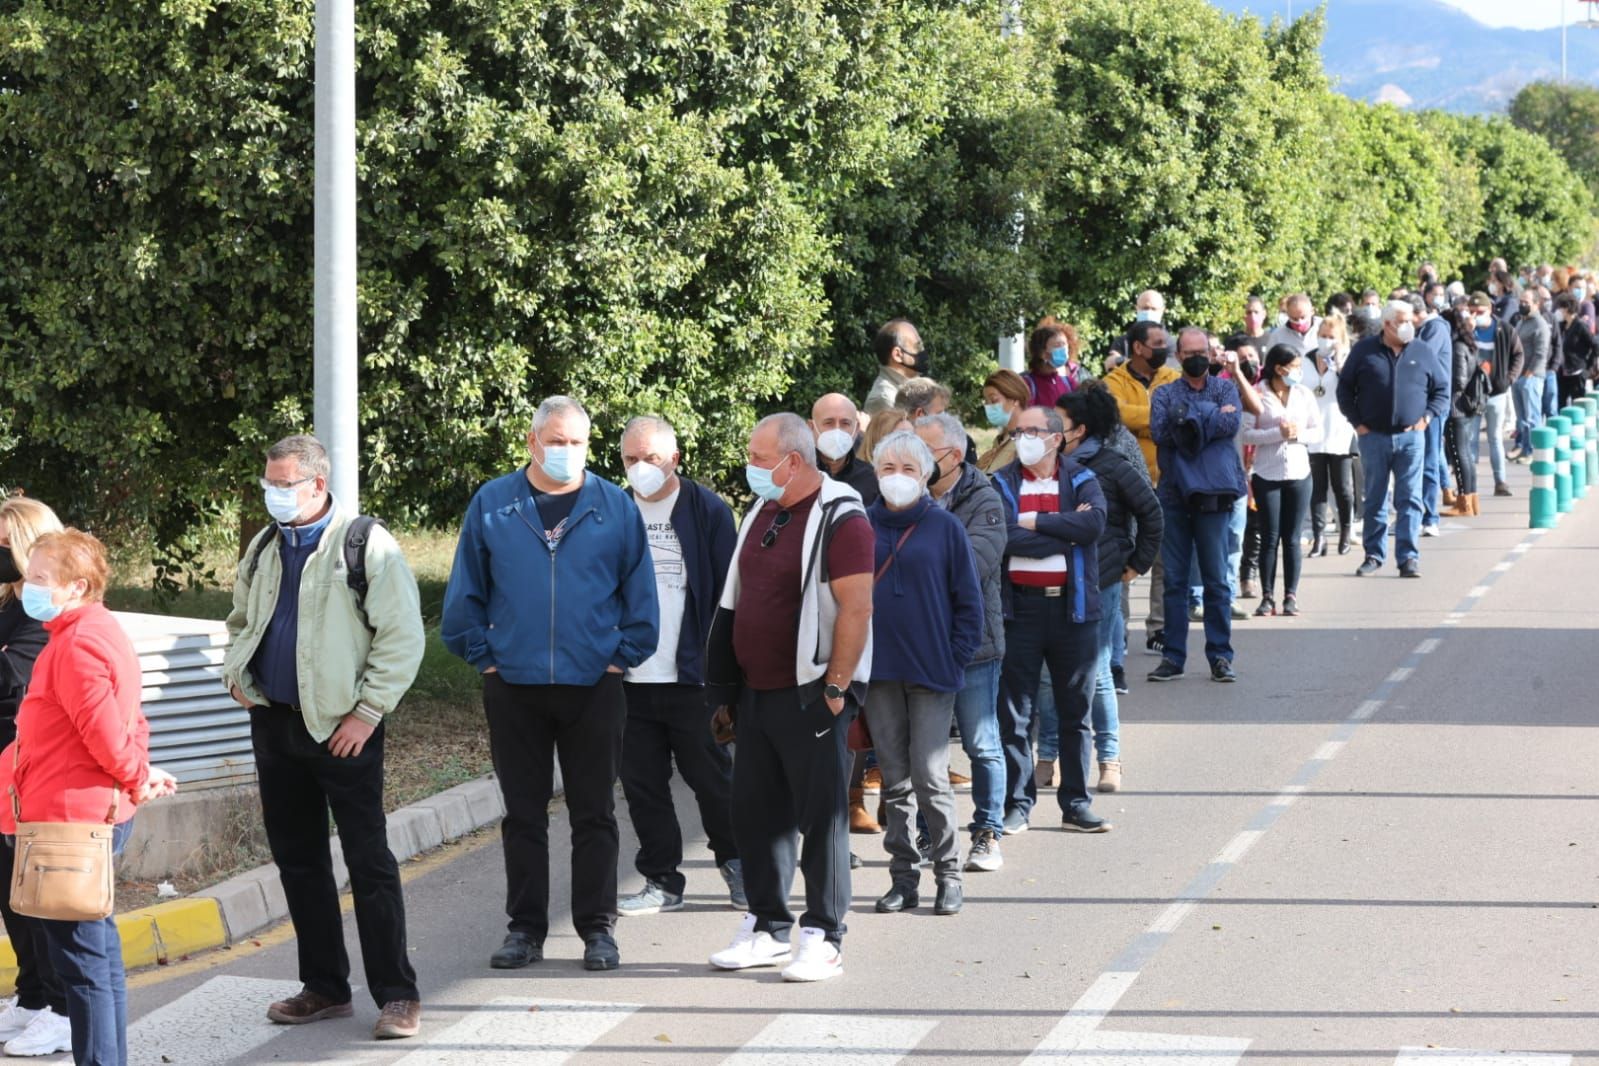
(79, 729)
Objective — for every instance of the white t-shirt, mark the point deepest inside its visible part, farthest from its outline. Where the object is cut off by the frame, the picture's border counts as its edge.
(671, 588)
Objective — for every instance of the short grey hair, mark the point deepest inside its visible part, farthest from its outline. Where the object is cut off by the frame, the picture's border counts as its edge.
(306, 451)
(950, 430)
(793, 435)
(1394, 308)
(1052, 420)
(905, 447)
(920, 393)
(558, 405)
(652, 424)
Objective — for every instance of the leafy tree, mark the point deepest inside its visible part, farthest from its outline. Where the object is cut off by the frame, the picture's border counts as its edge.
(1567, 116)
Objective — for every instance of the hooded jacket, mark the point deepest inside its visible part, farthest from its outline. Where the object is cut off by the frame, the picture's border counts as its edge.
(974, 500)
(1134, 522)
(1070, 532)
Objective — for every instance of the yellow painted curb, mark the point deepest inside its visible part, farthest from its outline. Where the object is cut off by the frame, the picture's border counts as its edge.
(163, 933)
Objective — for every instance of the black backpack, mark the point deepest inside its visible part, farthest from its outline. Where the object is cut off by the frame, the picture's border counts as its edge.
(356, 535)
(1473, 398)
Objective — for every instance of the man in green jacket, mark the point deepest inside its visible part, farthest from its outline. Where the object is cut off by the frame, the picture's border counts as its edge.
(319, 662)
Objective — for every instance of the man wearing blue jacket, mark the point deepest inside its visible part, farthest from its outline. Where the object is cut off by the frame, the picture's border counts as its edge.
(691, 536)
(1054, 514)
(1391, 391)
(552, 597)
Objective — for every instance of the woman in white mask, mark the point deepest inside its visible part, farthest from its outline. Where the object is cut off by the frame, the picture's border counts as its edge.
(927, 623)
(1332, 459)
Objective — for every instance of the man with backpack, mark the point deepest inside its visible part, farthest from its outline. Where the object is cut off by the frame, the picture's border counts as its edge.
(325, 639)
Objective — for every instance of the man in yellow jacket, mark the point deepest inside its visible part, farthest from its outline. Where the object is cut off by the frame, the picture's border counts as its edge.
(1132, 383)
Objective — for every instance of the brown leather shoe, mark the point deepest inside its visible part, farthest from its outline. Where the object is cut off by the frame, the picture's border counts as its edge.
(400, 1018)
(306, 1006)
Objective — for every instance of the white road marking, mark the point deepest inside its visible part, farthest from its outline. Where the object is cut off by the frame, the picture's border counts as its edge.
(1503, 567)
(1086, 1014)
(1328, 751)
(1428, 646)
(517, 1031)
(1366, 710)
(1478, 591)
(1399, 675)
(221, 1020)
(837, 1039)
(1438, 1056)
(1172, 917)
(1078, 1038)
(1239, 845)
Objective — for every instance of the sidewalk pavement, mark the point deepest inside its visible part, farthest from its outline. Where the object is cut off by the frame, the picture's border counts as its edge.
(244, 905)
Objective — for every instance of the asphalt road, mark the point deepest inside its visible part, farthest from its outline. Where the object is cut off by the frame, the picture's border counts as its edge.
(1378, 845)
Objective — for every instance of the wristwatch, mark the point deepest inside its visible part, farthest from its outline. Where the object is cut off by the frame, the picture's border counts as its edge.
(833, 692)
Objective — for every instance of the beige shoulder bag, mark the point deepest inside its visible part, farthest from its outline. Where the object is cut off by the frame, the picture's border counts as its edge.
(63, 870)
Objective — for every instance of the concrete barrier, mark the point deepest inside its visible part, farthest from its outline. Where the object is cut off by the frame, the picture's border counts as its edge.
(1562, 428)
(1579, 450)
(1541, 501)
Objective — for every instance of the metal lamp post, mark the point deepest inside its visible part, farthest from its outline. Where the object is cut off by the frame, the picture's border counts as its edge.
(337, 417)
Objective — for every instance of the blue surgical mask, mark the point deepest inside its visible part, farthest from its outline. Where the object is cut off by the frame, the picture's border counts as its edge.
(1294, 377)
(760, 482)
(1578, 291)
(37, 602)
(1146, 315)
(564, 462)
(1058, 356)
(996, 414)
(283, 504)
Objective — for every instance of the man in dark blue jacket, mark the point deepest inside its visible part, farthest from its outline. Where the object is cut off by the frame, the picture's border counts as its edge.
(552, 598)
(1433, 331)
(1054, 514)
(1194, 423)
(691, 536)
(1390, 390)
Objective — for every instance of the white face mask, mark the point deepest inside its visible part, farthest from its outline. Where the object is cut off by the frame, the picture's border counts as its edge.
(899, 490)
(646, 478)
(1029, 450)
(1405, 332)
(834, 444)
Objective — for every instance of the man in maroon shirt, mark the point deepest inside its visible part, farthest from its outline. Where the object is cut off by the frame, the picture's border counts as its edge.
(790, 647)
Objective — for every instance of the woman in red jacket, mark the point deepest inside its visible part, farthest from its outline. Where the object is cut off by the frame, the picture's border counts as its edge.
(82, 755)
(34, 1022)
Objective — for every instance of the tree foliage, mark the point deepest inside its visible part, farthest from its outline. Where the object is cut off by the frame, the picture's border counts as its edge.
(1567, 116)
(697, 207)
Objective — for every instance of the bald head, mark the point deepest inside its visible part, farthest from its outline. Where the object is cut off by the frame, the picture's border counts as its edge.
(835, 411)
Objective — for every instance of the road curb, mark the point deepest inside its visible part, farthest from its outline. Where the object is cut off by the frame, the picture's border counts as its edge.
(249, 902)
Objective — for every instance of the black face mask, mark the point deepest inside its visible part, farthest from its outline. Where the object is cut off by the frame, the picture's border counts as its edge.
(9, 574)
(1196, 366)
(924, 362)
(1158, 356)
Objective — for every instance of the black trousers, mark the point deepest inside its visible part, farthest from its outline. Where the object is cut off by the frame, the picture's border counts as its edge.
(1335, 473)
(1281, 506)
(37, 984)
(1573, 387)
(1041, 634)
(1460, 436)
(300, 782)
(667, 723)
(789, 781)
(530, 728)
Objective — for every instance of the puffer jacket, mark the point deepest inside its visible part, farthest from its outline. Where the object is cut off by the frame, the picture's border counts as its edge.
(1134, 522)
(975, 502)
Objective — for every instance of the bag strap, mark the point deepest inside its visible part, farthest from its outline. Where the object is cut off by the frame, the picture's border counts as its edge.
(893, 555)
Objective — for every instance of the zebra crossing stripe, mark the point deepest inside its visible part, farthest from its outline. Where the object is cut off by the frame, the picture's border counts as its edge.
(516, 1031)
(1437, 1056)
(222, 1020)
(836, 1039)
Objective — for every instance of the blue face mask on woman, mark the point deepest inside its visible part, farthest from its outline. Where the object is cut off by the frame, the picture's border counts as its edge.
(1294, 377)
(996, 414)
(1058, 356)
(38, 602)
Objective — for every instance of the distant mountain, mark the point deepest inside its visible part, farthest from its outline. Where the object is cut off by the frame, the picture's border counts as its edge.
(1427, 54)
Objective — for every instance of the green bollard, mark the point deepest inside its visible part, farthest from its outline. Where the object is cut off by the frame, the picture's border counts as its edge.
(1541, 499)
(1579, 450)
(1562, 427)
(1591, 405)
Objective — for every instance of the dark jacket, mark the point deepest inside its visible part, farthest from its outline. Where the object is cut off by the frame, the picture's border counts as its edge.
(1578, 352)
(975, 502)
(1070, 532)
(858, 475)
(1194, 439)
(1389, 393)
(1439, 335)
(704, 526)
(1462, 364)
(927, 607)
(1508, 358)
(1134, 523)
(551, 614)
(23, 639)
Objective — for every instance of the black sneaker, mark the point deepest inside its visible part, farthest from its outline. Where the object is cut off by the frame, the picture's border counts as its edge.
(1083, 820)
(1156, 643)
(1166, 671)
(854, 861)
(519, 950)
(600, 953)
(1370, 566)
(1222, 670)
(1410, 568)
(1118, 679)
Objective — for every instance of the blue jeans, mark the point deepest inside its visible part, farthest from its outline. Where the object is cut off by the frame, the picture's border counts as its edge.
(977, 715)
(1433, 479)
(1118, 643)
(1495, 417)
(88, 958)
(1551, 395)
(1105, 710)
(1235, 553)
(1207, 531)
(1401, 456)
(1528, 392)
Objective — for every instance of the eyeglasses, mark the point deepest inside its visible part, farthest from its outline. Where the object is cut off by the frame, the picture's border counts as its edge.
(780, 520)
(265, 484)
(1036, 432)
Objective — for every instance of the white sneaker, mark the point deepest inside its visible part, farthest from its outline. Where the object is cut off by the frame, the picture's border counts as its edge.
(47, 1034)
(1429, 531)
(14, 1019)
(815, 960)
(750, 948)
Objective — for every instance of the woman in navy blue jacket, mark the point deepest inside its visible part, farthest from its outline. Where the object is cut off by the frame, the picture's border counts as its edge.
(927, 623)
